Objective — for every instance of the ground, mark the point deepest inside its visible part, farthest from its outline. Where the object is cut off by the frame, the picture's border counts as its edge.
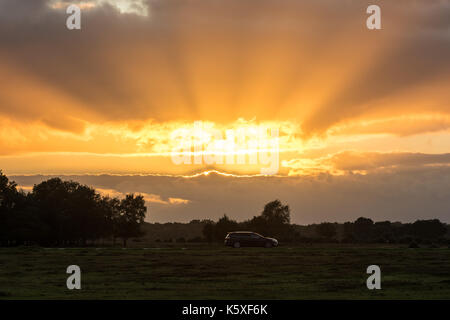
(190, 271)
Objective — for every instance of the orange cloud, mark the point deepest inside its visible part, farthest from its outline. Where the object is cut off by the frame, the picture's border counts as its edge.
(106, 99)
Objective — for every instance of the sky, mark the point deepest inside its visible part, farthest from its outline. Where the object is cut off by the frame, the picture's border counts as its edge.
(362, 117)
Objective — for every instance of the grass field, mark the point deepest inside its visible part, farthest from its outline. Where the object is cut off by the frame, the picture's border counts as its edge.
(216, 272)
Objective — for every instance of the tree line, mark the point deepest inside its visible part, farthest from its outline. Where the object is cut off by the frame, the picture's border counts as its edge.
(66, 213)
(58, 212)
(274, 221)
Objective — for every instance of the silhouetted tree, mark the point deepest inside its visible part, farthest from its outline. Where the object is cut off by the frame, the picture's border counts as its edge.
(428, 229)
(60, 212)
(384, 231)
(362, 229)
(26, 227)
(111, 212)
(132, 215)
(348, 235)
(276, 214)
(70, 209)
(223, 226)
(258, 224)
(13, 221)
(326, 230)
(276, 218)
(7, 195)
(208, 231)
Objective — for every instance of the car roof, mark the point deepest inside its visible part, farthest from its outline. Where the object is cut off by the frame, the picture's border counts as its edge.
(241, 232)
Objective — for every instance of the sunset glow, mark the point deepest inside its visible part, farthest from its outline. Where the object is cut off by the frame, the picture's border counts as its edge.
(107, 99)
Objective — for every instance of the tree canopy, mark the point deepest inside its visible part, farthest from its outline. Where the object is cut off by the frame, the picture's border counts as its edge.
(59, 212)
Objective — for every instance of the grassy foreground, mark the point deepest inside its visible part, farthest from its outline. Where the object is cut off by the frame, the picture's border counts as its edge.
(215, 272)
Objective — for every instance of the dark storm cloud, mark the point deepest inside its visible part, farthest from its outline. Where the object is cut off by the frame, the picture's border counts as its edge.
(188, 56)
(420, 55)
(126, 66)
(93, 66)
(353, 161)
(403, 194)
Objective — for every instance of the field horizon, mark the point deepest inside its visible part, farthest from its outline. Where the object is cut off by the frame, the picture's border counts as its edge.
(199, 271)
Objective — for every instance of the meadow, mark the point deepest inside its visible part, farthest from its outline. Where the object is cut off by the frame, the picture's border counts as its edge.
(200, 271)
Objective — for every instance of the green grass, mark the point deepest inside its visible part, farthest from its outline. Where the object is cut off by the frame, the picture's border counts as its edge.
(216, 272)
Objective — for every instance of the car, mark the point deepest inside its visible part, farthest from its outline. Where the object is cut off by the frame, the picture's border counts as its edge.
(239, 239)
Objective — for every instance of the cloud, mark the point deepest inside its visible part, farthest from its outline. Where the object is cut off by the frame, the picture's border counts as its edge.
(351, 162)
(416, 57)
(150, 199)
(139, 7)
(178, 201)
(400, 126)
(106, 98)
(396, 195)
(218, 61)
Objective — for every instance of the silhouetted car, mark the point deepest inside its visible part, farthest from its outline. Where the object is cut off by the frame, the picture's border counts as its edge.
(239, 239)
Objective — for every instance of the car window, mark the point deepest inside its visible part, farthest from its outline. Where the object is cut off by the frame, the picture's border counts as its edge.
(236, 235)
(245, 235)
(242, 235)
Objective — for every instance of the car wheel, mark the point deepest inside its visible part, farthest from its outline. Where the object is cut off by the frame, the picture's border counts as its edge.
(268, 245)
(237, 245)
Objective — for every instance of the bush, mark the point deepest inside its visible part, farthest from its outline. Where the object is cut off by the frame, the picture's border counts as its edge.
(196, 239)
(414, 245)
